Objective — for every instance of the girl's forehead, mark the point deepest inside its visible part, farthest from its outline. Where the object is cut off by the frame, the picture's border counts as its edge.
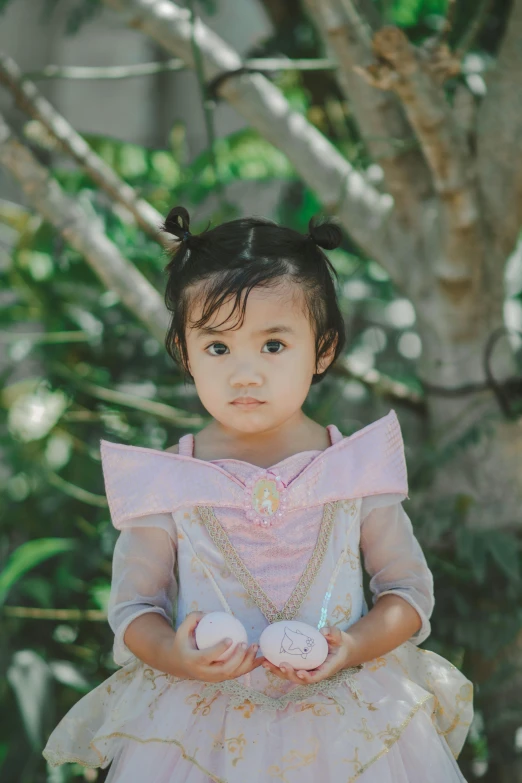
(267, 306)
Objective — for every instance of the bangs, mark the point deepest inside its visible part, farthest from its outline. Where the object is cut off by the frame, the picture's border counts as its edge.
(232, 287)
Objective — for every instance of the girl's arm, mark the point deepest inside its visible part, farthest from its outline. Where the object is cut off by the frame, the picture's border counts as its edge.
(143, 582)
(396, 564)
(390, 623)
(143, 592)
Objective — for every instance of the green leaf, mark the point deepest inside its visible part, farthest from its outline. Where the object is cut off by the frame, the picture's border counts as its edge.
(29, 555)
(243, 156)
(4, 747)
(100, 592)
(472, 550)
(411, 12)
(504, 551)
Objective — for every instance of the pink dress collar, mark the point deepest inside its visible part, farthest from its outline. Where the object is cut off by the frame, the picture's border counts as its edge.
(141, 481)
(274, 479)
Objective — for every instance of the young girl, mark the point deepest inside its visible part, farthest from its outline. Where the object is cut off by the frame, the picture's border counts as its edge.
(264, 515)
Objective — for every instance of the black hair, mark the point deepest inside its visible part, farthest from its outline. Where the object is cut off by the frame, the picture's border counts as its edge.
(235, 257)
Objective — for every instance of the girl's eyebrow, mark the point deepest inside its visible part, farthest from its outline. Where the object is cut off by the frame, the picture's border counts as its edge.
(204, 331)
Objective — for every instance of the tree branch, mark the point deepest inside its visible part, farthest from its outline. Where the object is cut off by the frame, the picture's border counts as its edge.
(384, 128)
(402, 69)
(68, 615)
(365, 213)
(499, 136)
(110, 72)
(32, 102)
(84, 235)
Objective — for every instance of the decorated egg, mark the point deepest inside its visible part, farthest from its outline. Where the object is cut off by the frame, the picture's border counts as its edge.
(216, 626)
(293, 642)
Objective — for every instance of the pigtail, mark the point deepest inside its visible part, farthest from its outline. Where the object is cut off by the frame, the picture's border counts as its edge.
(177, 223)
(325, 234)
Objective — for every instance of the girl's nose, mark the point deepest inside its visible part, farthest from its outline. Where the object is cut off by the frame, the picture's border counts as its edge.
(245, 374)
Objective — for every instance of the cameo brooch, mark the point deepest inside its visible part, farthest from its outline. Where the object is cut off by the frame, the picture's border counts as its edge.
(264, 498)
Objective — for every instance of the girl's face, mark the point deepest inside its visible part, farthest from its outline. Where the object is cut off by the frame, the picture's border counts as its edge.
(255, 377)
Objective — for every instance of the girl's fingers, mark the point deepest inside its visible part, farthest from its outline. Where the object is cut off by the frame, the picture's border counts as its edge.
(229, 666)
(306, 677)
(284, 671)
(188, 627)
(190, 622)
(211, 654)
(316, 675)
(332, 635)
(290, 673)
(258, 662)
(249, 662)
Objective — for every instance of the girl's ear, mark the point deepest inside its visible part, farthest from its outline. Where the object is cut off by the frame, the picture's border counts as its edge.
(176, 345)
(326, 359)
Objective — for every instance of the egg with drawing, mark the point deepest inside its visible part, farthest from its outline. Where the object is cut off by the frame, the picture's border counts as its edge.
(216, 626)
(293, 642)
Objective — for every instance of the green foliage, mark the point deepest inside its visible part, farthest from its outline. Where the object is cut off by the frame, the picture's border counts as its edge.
(411, 12)
(27, 556)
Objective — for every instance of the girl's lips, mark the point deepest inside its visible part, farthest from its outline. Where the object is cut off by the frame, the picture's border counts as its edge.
(247, 402)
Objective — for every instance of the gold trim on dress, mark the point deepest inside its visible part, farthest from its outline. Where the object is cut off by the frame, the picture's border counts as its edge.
(238, 693)
(178, 744)
(397, 734)
(251, 585)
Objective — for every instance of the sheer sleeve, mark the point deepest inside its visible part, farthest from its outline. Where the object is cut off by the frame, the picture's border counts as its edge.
(395, 561)
(143, 578)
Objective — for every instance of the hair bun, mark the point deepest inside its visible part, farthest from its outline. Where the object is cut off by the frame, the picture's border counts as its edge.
(177, 222)
(325, 234)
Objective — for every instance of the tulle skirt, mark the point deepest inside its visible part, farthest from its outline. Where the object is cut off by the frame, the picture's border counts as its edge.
(401, 718)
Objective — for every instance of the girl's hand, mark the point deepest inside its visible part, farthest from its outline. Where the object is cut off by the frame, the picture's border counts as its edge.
(186, 661)
(340, 647)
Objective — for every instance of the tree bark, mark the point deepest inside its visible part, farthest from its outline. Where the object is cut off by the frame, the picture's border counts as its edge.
(389, 137)
(499, 134)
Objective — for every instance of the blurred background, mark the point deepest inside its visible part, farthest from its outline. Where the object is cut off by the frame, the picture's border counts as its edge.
(403, 119)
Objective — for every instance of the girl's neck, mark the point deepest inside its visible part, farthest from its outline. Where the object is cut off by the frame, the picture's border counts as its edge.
(265, 448)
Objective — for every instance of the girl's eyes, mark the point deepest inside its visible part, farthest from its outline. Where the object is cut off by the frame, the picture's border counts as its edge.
(220, 349)
(275, 343)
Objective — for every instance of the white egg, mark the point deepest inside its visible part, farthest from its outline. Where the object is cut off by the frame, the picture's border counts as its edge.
(291, 641)
(216, 626)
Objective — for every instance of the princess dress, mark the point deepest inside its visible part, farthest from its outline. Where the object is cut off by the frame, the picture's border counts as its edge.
(199, 535)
